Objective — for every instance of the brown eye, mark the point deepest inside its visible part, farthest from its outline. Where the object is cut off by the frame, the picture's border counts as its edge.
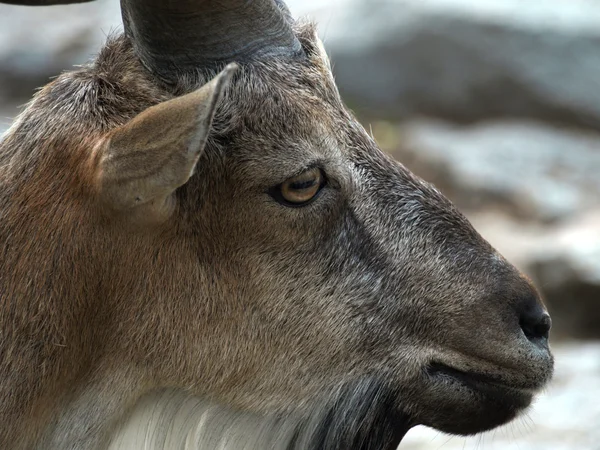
(300, 189)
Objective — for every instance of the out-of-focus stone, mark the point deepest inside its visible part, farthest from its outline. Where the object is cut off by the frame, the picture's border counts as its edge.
(568, 270)
(37, 43)
(531, 170)
(464, 59)
(563, 259)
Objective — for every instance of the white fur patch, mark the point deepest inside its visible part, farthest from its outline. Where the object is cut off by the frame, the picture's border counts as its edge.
(174, 420)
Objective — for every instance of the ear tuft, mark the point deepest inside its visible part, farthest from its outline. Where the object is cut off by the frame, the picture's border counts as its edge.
(143, 162)
(224, 77)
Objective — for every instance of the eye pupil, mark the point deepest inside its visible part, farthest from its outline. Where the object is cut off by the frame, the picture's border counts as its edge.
(299, 185)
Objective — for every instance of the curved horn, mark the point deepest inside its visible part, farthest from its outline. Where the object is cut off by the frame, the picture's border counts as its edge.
(177, 36)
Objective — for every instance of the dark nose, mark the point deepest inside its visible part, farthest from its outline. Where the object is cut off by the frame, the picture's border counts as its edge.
(534, 320)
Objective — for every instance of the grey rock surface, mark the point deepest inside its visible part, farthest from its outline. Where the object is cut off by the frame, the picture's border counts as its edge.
(37, 43)
(466, 60)
(563, 259)
(534, 170)
(568, 269)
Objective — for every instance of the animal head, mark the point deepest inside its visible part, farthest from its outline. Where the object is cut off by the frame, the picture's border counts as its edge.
(198, 207)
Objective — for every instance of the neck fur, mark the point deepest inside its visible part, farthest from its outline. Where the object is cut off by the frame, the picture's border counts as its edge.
(359, 418)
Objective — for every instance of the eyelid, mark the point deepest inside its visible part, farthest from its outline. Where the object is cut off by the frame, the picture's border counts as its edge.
(310, 166)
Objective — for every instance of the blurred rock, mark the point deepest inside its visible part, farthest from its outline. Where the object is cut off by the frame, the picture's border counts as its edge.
(464, 59)
(568, 270)
(37, 43)
(562, 259)
(528, 169)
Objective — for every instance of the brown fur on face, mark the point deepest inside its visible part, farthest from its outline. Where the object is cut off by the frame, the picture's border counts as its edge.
(348, 305)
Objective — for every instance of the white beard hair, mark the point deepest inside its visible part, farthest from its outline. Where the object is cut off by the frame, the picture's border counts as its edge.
(177, 421)
(359, 415)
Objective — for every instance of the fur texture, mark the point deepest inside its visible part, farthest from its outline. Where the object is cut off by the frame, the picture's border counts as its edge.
(234, 317)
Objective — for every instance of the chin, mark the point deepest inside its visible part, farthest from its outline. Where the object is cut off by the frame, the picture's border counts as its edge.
(465, 403)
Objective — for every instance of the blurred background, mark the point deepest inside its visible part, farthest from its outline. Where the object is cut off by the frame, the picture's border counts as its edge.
(497, 102)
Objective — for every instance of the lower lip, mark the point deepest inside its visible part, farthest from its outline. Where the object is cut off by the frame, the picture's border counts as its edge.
(473, 380)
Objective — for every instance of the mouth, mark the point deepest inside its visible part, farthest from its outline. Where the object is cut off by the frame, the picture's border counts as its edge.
(473, 380)
(465, 403)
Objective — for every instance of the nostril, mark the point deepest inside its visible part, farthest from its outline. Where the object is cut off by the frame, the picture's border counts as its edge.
(536, 326)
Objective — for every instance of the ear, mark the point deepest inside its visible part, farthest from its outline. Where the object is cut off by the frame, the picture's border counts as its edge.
(143, 162)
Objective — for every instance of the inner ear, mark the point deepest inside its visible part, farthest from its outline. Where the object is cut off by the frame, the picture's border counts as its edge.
(143, 162)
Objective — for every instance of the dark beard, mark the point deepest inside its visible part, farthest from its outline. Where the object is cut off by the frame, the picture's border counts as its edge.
(362, 416)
